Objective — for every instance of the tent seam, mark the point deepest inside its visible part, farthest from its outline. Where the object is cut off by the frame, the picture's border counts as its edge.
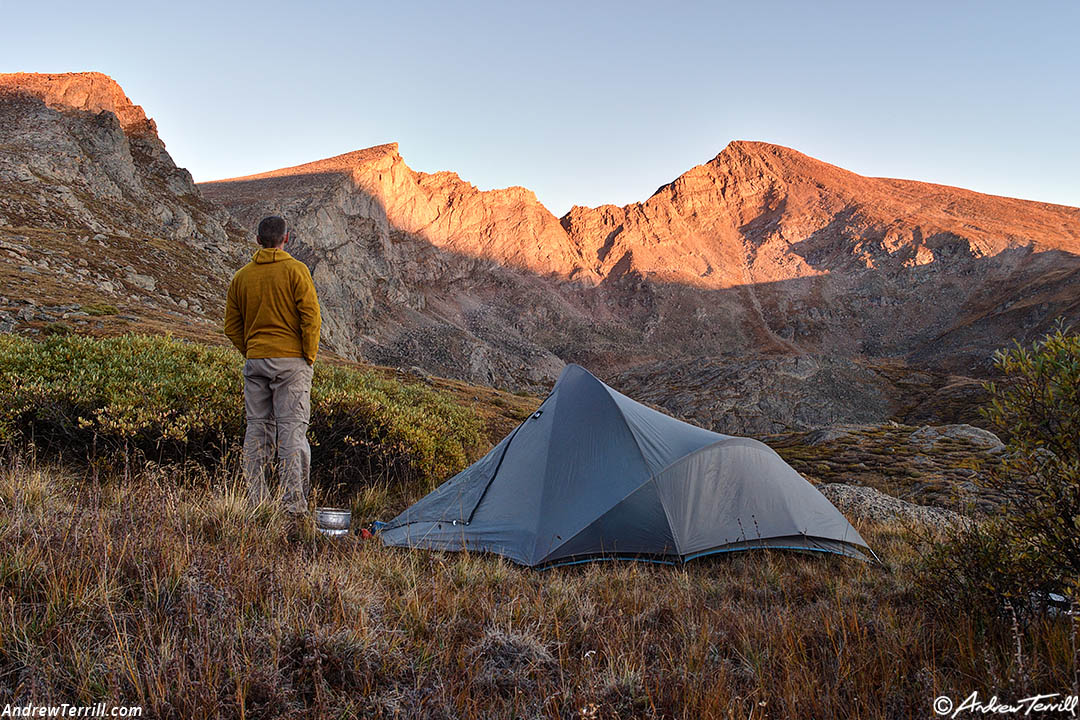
(547, 464)
(628, 425)
(667, 516)
(641, 453)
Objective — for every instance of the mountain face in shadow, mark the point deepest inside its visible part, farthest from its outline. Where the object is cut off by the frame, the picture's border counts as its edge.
(760, 250)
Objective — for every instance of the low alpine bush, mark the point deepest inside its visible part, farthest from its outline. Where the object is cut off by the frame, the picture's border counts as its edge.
(162, 399)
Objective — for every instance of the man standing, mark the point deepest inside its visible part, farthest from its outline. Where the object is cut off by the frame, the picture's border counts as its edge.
(272, 317)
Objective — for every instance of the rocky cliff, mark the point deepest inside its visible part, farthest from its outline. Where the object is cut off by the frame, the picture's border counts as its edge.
(93, 212)
(425, 269)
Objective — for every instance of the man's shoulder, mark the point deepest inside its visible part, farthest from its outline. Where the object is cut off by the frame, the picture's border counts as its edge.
(239, 274)
(298, 266)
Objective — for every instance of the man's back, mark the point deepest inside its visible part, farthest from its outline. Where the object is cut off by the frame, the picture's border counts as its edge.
(272, 309)
(272, 316)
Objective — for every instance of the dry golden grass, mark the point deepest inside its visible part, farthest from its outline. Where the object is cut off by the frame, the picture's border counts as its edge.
(168, 590)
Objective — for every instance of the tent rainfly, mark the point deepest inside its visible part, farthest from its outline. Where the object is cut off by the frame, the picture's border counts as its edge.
(593, 474)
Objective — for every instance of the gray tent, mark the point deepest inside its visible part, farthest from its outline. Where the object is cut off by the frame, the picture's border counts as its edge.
(593, 474)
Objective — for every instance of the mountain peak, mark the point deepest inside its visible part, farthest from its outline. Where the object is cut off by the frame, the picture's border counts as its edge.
(85, 91)
(337, 165)
(750, 147)
(778, 159)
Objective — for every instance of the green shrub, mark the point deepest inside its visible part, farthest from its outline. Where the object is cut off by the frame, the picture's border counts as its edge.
(56, 328)
(979, 569)
(166, 400)
(364, 425)
(1008, 563)
(1039, 411)
(98, 309)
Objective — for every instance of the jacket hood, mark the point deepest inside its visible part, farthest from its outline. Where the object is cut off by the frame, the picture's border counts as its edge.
(269, 255)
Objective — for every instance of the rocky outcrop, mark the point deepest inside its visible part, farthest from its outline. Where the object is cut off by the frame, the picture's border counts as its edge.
(79, 155)
(898, 461)
(866, 503)
(929, 437)
(89, 92)
(93, 209)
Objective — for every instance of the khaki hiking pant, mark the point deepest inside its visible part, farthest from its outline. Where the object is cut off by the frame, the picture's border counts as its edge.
(277, 399)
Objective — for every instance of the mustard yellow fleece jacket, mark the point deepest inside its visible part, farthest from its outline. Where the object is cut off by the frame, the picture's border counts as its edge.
(272, 310)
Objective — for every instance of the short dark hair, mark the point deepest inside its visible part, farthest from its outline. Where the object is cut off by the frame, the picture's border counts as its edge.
(272, 231)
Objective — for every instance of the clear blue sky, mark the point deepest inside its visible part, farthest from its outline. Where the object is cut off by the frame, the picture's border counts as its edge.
(590, 102)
